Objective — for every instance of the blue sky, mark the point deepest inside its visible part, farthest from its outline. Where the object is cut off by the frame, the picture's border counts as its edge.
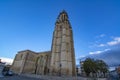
(29, 24)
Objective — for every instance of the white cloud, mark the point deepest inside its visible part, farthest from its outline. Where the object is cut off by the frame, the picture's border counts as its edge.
(115, 41)
(6, 60)
(101, 36)
(98, 52)
(95, 52)
(106, 50)
(82, 56)
(101, 45)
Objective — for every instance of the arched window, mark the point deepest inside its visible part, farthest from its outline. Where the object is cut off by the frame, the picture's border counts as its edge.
(41, 60)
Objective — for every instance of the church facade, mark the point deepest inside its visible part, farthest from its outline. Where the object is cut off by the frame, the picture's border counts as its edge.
(59, 61)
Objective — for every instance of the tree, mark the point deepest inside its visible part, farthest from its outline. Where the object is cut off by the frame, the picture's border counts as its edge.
(94, 66)
(102, 66)
(89, 66)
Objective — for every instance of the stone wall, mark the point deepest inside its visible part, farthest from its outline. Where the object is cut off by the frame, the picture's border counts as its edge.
(24, 62)
(43, 62)
(31, 62)
(29, 66)
(63, 56)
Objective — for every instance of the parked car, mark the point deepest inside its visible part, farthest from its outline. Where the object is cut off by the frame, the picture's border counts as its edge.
(7, 72)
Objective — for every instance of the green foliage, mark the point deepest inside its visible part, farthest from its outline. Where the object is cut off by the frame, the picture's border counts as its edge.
(94, 66)
(102, 66)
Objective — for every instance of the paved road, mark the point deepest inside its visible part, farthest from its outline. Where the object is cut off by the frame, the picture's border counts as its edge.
(18, 78)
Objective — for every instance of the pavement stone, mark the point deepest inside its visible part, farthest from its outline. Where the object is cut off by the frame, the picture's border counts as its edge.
(17, 77)
(41, 77)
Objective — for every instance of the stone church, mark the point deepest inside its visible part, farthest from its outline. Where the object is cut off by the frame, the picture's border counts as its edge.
(59, 61)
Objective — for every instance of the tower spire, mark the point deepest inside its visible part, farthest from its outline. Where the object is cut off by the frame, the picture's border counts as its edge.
(62, 17)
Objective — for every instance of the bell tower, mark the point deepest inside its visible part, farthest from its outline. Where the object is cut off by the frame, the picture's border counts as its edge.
(62, 56)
